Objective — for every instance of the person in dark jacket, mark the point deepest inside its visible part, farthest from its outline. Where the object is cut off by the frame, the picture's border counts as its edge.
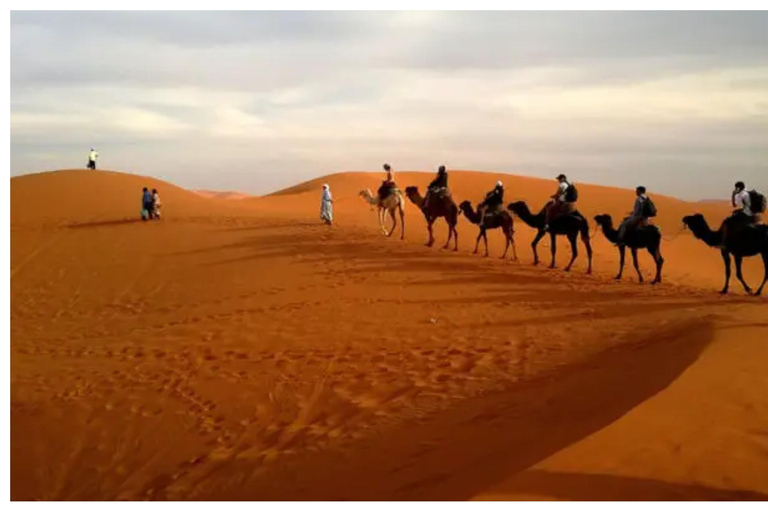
(638, 217)
(439, 183)
(492, 203)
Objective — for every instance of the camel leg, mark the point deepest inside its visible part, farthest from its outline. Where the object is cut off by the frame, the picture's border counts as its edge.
(477, 241)
(656, 254)
(737, 260)
(553, 248)
(588, 246)
(574, 251)
(394, 221)
(431, 240)
(634, 262)
(506, 246)
(450, 234)
(381, 221)
(514, 248)
(622, 252)
(535, 242)
(765, 275)
(727, 260)
(455, 236)
(402, 221)
(485, 239)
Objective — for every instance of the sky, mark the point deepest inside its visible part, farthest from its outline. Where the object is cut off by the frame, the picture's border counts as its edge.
(256, 101)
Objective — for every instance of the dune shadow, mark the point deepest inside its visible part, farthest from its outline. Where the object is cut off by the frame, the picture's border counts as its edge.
(458, 453)
(602, 487)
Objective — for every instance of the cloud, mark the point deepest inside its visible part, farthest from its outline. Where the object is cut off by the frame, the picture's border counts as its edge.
(261, 98)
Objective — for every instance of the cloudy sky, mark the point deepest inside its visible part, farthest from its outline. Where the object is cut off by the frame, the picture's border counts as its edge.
(257, 101)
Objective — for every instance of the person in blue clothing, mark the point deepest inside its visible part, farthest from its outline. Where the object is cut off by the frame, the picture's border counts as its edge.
(147, 204)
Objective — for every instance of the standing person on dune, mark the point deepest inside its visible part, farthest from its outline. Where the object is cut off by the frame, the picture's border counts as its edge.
(326, 205)
(92, 156)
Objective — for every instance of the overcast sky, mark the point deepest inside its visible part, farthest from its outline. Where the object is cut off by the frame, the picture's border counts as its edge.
(256, 101)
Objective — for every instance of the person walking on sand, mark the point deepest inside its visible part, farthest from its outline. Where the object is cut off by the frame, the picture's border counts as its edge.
(92, 156)
(155, 204)
(326, 205)
(146, 204)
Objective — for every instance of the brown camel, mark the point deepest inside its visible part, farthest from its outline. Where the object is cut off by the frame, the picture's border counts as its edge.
(740, 240)
(571, 226)
(645, 237)
(440, 206)
(501, 220)
(393, 202)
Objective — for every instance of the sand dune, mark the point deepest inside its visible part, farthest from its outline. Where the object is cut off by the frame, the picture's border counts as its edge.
(242, 350)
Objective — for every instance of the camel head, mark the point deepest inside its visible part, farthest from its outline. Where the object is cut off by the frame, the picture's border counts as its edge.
(410, 191)
(696, 223)
(465, 206)
(603, 220)
(517, 207)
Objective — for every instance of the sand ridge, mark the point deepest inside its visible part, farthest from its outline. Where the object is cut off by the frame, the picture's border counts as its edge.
(242, 350)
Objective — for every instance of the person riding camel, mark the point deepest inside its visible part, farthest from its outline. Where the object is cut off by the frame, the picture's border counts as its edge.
(492, 203)
(643, 210)
(744, 214)
(563, 202)
(437, 186)
(388, 185)
(742, 202)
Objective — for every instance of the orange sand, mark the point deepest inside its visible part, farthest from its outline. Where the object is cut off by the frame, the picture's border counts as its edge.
(242, 350)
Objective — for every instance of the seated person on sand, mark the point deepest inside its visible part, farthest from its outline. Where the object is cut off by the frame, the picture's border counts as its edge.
(492, 204)
(155, 204)
(563, 202)
(326, 205)
(642, 211)
(388, 185)
(439, 185)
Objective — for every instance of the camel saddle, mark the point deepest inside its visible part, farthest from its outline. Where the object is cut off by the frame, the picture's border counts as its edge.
(386, 189)
(440, 192)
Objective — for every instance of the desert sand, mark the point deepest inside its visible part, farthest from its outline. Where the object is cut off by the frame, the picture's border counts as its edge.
(239, 349)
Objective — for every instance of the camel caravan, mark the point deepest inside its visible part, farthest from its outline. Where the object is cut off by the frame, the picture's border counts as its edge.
(740, 235)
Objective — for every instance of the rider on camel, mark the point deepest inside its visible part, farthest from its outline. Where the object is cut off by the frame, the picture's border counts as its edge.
(639, 216)
(492, 203)
(562, 203)
(437, 185)
(387, 185)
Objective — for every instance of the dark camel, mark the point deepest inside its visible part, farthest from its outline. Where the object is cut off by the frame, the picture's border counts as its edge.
(740, 241)
(646, 237)
(442, 206)
(571, 226)
(501, 220)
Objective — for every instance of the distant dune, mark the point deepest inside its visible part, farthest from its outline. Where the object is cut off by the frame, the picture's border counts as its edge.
(239, 349)
(221, 195)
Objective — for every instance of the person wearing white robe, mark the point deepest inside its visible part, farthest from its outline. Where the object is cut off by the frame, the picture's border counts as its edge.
(326, 206)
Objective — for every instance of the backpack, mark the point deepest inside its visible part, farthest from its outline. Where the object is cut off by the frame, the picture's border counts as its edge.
(571, 194)
(756, 201)
(649, 209)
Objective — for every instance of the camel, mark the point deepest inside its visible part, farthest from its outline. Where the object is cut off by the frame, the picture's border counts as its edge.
(740, 241)
(645, 237)
(502, 220)
(393, 202)
(442, 206)
(569, 225)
